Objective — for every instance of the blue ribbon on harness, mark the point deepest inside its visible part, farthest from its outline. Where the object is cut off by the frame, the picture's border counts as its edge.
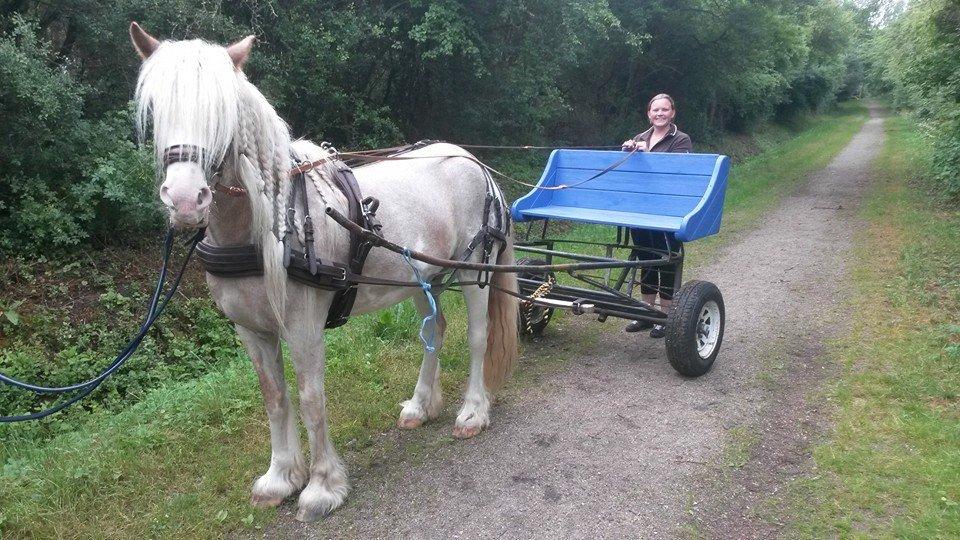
(428, 337)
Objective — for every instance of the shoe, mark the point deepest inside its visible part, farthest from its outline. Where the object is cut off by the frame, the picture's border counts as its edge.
(637, 326)
(657, 332)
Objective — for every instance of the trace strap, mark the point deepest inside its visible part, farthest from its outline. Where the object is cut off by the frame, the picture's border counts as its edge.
(158, 302)
(428, 337)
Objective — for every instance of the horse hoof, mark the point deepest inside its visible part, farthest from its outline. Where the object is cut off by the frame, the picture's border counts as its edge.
(321, 497)
(409, 422)
(265, 502)
(311, 515)
(318, 508)
(466, 432)
(277, 484)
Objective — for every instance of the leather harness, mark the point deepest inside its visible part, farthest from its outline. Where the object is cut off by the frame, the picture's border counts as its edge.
(303, 266)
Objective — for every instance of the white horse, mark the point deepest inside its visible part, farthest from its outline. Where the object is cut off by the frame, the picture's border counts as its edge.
(195, 93)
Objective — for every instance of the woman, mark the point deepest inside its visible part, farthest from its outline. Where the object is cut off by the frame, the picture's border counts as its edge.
(663, 136)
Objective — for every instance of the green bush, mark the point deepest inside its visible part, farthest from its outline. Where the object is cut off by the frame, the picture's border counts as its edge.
(916, 60)
(48, 347)
(64, 178)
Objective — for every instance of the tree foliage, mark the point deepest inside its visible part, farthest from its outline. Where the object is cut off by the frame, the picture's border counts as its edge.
(916, 60)
(376, 72)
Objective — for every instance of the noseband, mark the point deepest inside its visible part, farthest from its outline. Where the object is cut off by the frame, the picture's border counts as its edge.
(186, 153)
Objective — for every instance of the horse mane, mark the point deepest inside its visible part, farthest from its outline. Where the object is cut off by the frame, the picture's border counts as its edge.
(189, 92)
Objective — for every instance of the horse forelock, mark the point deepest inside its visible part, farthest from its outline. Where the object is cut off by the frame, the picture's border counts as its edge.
(188, 92)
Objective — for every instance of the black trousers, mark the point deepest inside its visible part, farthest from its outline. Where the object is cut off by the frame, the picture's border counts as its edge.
(658, 279)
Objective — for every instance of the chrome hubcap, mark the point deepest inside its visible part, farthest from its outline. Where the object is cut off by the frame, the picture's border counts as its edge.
(708, 329)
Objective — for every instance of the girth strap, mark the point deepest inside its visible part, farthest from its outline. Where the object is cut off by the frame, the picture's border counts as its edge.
(343, 302)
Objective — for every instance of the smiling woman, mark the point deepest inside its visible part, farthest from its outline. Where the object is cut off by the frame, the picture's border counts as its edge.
(663, 136)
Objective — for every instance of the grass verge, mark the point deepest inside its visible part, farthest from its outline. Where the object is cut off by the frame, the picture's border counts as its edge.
(891, 467)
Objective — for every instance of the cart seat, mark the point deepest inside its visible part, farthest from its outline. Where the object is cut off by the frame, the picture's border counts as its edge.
(677, 193)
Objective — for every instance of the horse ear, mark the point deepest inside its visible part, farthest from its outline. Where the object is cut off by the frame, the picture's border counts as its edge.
(240, 50)
(143, 42)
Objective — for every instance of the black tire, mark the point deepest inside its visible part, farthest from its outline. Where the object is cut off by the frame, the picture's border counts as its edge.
(694, 329)
(535, 318)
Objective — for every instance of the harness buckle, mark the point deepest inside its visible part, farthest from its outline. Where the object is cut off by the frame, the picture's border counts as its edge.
(329, 147)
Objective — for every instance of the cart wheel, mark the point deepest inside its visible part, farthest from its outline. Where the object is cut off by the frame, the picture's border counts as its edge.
(694, 328)
(533, 319)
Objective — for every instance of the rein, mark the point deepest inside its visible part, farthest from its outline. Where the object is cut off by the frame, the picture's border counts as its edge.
(383, 154)
(158, 302)
(451, 264)
(374, 158)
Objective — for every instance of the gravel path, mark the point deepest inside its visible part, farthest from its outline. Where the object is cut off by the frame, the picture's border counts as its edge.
(616, 444)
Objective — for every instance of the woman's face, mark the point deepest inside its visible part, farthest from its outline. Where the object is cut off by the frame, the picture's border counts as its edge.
(661, 113)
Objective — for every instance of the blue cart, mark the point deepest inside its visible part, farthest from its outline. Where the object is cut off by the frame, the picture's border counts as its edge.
(679, 196)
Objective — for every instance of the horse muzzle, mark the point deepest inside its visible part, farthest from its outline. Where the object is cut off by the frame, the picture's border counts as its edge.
(186, 195)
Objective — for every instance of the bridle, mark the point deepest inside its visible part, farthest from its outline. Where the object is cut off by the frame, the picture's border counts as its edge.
(185, 153)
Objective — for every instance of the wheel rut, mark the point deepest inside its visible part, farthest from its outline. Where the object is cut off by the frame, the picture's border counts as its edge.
(615, 443)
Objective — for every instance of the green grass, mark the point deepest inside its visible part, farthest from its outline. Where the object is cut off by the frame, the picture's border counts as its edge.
(741, 443)
(891, 467)
(181, 460)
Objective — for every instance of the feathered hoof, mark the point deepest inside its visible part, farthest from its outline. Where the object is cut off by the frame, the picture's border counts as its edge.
(259, 501)
(471, 421)
(316, 501)
(409, 422)
(466, 432)
(276, 485)
(412, 415)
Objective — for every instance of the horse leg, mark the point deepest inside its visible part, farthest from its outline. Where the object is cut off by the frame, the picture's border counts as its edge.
(328, 484)
(475, 413)
(288, 470)
(427, 397)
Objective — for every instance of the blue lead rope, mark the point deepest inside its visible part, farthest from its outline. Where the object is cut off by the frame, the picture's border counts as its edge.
(428, 337)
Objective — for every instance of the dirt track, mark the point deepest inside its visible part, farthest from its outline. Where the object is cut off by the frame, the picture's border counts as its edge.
(616, 444)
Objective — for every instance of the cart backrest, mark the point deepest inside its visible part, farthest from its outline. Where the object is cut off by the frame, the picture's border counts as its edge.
(678, 193)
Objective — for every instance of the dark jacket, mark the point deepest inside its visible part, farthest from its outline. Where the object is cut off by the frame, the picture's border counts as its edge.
(674, 141)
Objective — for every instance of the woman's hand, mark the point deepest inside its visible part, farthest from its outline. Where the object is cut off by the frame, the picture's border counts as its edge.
(630, 145)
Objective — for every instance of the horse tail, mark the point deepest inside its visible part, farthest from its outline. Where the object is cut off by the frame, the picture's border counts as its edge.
(502, 326)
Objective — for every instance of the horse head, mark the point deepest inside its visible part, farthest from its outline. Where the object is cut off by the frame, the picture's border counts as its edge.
(190, 93)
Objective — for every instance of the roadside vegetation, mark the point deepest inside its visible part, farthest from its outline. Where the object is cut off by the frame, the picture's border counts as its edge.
(891, 466)
(914, 61)
(180, 462)
(379, 73)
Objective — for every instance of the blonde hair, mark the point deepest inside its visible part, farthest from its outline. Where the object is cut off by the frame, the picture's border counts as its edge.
(661, 96)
